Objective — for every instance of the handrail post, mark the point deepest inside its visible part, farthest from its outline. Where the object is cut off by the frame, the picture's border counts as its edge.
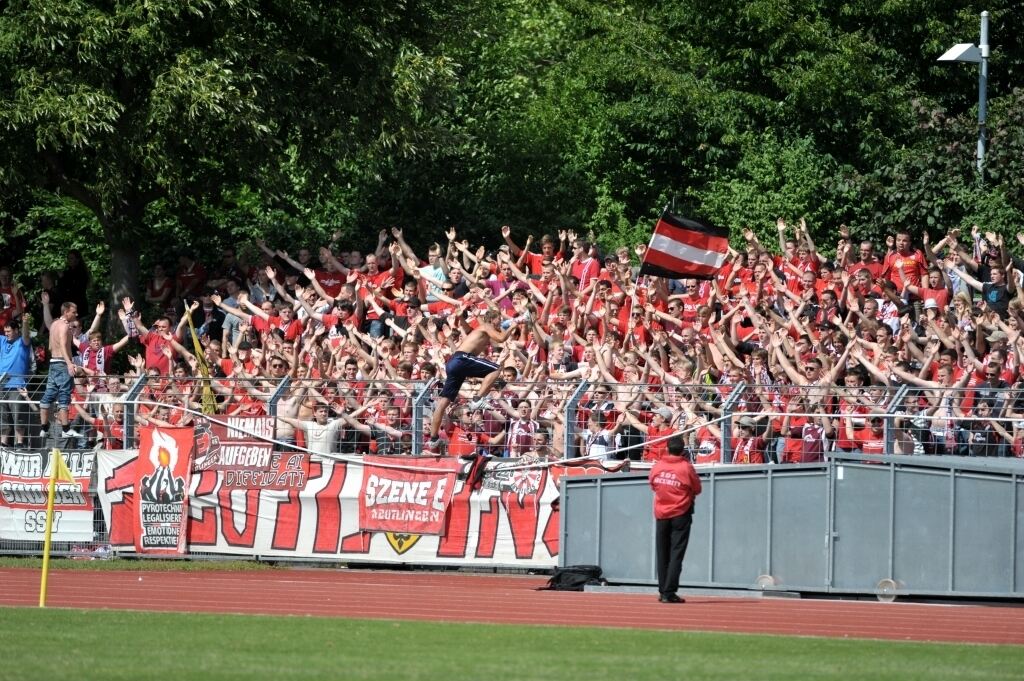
(3, 379)
(418, 403)
(571, 407)
(282, 387)
(130, 406)
(726, 427)
(890, 430)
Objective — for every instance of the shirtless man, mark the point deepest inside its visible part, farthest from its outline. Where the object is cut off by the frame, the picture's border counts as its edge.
(62, 370)
(465, 363)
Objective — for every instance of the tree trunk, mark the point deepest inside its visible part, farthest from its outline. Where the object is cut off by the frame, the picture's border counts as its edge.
(124, 278)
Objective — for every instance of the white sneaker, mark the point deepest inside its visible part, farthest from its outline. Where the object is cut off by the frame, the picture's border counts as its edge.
(71, 433)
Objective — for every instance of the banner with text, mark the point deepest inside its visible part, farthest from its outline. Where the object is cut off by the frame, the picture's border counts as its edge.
(24, 487)
(408, 495)
(162, 473)
(506, 516)
(234, 443)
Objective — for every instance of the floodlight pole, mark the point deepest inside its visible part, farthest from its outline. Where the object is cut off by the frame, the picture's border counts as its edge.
(982, 93)
(976, 54)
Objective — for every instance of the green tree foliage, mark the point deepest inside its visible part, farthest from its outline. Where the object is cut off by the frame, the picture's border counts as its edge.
(160, 113)
(199, 122)
(595, 115)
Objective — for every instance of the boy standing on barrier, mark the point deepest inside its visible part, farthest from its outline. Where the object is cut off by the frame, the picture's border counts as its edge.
(676, 486)
(60, 380)
(466, 363)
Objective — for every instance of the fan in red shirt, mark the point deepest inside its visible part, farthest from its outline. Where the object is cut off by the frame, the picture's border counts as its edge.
(466, 436)
(709, 444)
(870, 440)
(911, 261)
(532, 261)
(867, 260)
(657, 432)
(585, 267)
(747, 447)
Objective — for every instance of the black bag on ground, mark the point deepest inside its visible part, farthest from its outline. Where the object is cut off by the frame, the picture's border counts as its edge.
(574, 578)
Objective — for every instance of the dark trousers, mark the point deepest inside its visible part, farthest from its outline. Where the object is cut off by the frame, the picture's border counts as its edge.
(671, 538)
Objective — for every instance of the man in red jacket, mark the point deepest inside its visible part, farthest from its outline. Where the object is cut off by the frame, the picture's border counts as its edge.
(676, 485)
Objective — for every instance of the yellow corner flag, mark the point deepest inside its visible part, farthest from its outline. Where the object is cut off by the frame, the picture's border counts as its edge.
(59, 472)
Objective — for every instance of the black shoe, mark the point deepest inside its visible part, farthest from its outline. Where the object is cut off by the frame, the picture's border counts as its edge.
(670, 598)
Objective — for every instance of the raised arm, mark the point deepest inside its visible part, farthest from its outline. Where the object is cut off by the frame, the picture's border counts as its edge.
(283, 255)
(101, 307)
(967, 279)
(281, 291)
(780, 226)
(230, 309)
(506, 234)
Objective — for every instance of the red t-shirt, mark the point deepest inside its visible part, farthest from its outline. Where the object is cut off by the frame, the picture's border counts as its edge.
(913, 265)
(709, 449)
(748, 450)
(189, 280)
(869, 442)
(655, 451)
(330, 282)
(585, 270)
(155, 357)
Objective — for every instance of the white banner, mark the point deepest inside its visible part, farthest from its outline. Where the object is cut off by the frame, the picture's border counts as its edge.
(24, 486)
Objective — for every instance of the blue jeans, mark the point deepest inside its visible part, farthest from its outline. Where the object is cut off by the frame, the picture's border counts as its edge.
(58, 384)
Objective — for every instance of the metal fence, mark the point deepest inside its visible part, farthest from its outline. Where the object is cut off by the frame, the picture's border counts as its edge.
(721, 423)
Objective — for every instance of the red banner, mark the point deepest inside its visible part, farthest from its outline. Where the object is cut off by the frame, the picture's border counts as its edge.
(234, 443)
(162, 474)
(409, 495)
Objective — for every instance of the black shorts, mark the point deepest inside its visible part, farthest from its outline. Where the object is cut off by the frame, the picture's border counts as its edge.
(461, 366)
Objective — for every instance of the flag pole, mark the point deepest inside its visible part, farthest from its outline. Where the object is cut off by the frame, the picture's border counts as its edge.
(58, 470)
(209, 401)
(636, 284)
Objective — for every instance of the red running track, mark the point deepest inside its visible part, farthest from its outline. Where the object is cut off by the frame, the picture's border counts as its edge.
(453, 597)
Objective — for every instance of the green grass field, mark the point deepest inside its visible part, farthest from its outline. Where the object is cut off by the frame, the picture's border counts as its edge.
(102, 644)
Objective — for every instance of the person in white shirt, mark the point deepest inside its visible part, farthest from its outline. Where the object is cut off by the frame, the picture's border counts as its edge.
(321, 432)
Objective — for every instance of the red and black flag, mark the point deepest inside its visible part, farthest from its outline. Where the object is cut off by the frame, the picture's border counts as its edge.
(684, 248)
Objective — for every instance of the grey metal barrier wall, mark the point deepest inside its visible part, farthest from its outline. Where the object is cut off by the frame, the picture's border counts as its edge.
(912, 526)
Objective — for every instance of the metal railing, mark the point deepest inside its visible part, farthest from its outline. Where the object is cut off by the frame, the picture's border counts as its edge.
(971, 421)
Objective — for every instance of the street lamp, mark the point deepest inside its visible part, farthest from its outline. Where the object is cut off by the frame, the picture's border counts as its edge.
(976, 54)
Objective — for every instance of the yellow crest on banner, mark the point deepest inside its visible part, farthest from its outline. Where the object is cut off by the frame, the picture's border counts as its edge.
(401, 542)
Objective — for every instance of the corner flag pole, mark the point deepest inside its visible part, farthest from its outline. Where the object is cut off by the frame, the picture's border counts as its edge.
(58, 472)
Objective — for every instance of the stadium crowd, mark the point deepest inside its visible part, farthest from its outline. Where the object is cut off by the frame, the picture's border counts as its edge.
(821, 346)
